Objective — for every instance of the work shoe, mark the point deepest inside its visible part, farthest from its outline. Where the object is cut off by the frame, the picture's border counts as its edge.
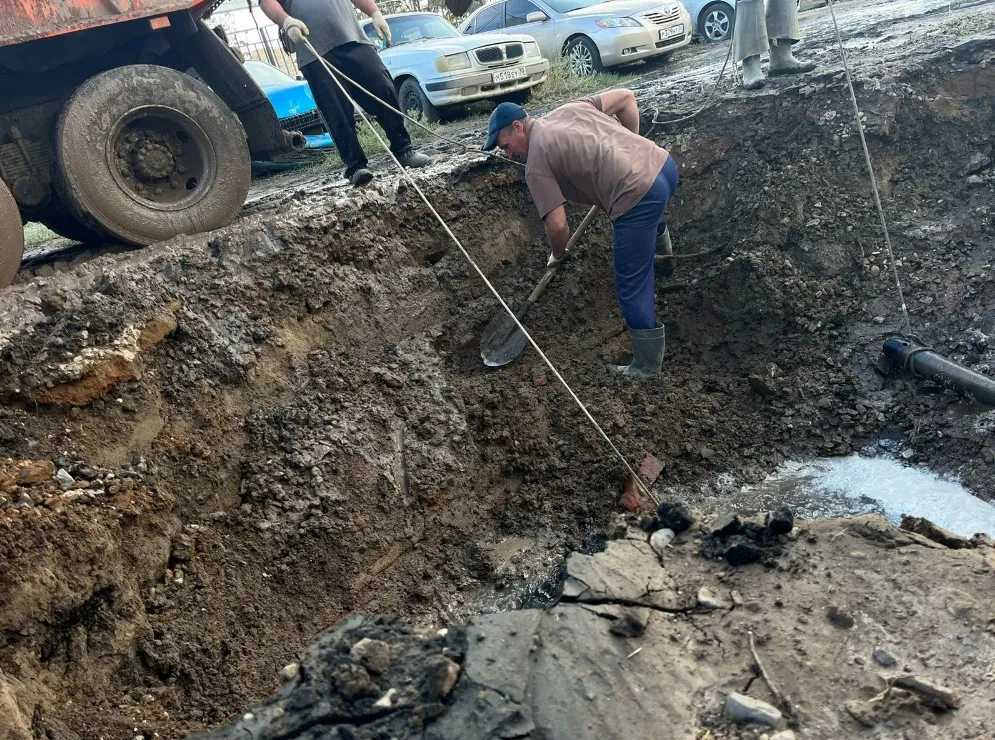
(648, 346)
(783, 62)
(664, 248)
(360, 177)
(753, 74)
(412, 158)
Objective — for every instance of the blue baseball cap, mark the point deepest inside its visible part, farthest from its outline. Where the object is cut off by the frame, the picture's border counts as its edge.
(504, 115)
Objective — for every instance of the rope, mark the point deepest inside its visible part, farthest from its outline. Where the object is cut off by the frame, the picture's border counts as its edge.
(870, 169)
(411, 181)
(333, 70)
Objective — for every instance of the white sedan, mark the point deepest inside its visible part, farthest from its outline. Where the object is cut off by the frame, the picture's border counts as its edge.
(434, 66)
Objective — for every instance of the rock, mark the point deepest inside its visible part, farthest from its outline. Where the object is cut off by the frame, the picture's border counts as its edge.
(839, 618)
(931, 694)
(875, 270)
(781, 521)
(975, 180)
(783, 735)
(675, 517)
(742, 708)
(649, 523)
(725, 524)
(908, 454)
(627, 571)
(628, 625)
(661, 539)
(977, 162)
(883, 657)
(387, 700)
(33, 472)
(373, 655)
(290, 671)
(708, 599)
(440, 678)
(64, 480)
(937, 534)
(353, 682)
(25, 499)
(650, 469)
(742, 552)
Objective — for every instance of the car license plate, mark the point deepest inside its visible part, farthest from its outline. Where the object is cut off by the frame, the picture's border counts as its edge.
(515, 73)
(669, 33)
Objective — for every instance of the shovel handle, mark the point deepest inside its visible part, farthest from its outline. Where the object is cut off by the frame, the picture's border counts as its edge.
(574, 238)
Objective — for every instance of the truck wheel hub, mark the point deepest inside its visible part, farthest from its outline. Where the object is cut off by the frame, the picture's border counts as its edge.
(152, 161)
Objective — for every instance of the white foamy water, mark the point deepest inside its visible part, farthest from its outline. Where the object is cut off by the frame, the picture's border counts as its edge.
(848, 486)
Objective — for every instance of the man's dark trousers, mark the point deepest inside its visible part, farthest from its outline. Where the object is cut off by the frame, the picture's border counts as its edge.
(361, 63)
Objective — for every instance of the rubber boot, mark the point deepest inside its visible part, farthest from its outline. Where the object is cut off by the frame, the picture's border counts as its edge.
(783, 62)
(648, 346)
(664, 248)
(753, 75)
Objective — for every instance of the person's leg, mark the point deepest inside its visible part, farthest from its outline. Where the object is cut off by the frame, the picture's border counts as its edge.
(783, 32)
(362, 63)
(633, 248)
(337, 111)
(749, 41)
(664, 245)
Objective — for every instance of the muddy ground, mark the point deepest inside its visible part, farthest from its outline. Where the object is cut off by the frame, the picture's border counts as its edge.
(265, 428)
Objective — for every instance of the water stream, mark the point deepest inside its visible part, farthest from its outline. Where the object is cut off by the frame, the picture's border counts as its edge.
(848, 486)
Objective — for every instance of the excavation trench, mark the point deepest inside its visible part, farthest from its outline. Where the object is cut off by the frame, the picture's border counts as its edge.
(279, 423)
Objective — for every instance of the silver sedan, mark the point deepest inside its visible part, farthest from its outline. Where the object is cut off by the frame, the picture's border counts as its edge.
(592, 34)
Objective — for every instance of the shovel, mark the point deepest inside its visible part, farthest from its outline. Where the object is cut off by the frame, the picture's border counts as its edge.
(503, 341)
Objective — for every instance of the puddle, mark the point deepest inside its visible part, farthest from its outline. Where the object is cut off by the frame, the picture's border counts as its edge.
(849, 486)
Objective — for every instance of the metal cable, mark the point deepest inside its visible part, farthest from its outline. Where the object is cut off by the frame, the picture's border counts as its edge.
(411, 181)
(870, 169)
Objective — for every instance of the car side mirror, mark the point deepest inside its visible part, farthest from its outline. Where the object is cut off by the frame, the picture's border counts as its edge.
(300, 78)
(536, 16)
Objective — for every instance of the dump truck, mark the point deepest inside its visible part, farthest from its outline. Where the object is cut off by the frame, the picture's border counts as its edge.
(125, 120)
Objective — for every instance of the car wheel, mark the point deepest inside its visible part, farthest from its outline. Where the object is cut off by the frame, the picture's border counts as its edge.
(415, 104)
(519, 97)
(11, 236)
(716, 22)
(584, 57)
(145, 153)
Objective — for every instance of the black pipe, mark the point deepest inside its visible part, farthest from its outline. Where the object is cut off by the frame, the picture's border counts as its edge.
(925, 363)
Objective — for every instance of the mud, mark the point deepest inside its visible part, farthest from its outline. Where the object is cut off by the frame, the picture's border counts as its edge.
(287, 420)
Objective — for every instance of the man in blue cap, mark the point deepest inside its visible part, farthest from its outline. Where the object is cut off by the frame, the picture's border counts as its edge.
(589, 151)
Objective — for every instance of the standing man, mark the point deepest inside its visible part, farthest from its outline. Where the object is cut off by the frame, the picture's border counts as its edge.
(754, 34)
(333, 29)
(590, 151)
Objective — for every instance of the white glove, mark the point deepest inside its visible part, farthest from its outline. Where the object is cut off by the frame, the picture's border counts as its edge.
(553, 262)
(295, 29)
(382, 29)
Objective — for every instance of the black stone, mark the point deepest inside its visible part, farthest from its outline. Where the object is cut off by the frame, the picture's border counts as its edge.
(781, 521)
(649, 523)
(740, 551)
(675, 517)
(725, 525)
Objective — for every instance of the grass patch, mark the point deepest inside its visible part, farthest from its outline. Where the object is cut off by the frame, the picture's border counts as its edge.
(562, 85)
(35, 233)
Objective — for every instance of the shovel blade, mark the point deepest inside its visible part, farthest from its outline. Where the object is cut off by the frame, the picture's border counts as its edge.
(502, 340)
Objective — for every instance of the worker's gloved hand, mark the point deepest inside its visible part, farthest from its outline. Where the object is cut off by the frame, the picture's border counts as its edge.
(382, 29)
(553, 261)
(295, 29)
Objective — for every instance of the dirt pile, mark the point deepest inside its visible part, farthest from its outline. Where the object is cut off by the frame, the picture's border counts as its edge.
(307, 430)
(835, 622)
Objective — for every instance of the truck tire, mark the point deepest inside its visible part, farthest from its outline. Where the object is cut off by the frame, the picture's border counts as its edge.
(11, 237)
(57, 218)
(145, 153)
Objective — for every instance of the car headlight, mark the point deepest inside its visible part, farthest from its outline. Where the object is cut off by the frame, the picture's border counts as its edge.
(453, 62)
(531, 49)
(617, 22)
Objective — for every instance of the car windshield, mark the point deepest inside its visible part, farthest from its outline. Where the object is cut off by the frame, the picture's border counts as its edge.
(565, 6)
(407, 28)
(265, 74)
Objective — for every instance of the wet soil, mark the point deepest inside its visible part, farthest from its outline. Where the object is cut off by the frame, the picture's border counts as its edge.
(276, 424)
